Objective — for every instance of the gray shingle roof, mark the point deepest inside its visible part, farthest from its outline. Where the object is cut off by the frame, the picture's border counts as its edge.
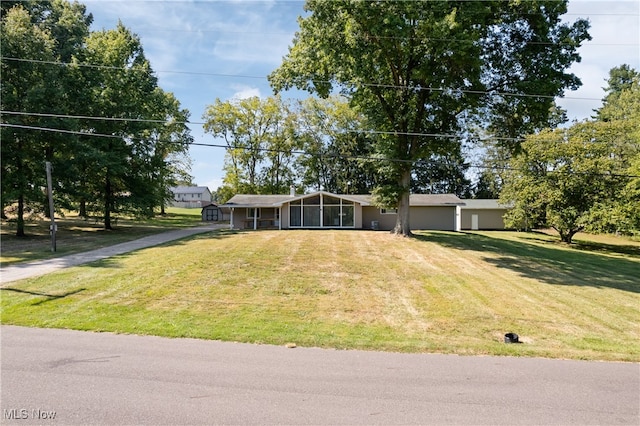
(434, 200)
(253, 200)
(189, 189)
(481, 204)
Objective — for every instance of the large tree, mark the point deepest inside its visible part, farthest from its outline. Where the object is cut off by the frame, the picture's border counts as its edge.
(563, 177)
(120, 167)
(25, 87)
(620, 210)
(132, 141)
(420, 70)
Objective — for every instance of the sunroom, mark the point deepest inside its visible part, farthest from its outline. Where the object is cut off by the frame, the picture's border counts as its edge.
(319, 210)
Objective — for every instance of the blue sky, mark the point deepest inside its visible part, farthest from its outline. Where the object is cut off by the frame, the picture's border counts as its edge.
(203, 50)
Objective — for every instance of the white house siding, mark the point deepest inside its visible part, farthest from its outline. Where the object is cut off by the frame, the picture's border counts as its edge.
(190, 196)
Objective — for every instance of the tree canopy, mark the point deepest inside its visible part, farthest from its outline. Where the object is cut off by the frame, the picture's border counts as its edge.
(421, 71)
(87, 102)
(584, 177)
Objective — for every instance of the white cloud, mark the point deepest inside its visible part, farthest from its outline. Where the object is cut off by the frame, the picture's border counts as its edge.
(244, 92)
(615, 33)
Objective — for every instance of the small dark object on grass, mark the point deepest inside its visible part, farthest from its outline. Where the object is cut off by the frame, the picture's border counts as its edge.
(511, 338)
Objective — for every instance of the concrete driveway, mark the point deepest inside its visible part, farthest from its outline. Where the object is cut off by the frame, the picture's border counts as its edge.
(71, 377)
(42, 267)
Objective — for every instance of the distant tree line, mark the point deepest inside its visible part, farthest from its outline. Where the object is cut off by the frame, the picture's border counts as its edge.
(89, 103)
(314, 144)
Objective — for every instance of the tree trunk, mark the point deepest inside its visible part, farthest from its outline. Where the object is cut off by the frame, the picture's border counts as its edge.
(82, 209)
(403, 225)
(20, 220)
(107, 204)
(567, 236)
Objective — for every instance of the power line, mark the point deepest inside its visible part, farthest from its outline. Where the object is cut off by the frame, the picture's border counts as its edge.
(377, 85)
(141, 120)
(300, 152)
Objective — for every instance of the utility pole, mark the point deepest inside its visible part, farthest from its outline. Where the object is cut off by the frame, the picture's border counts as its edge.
(52, 227)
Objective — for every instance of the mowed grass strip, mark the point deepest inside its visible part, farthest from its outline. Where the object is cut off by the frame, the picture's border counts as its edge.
(439, 292)
(76, 234)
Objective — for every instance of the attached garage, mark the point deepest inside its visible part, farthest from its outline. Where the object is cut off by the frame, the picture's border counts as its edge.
(427, 211)
(482, 214)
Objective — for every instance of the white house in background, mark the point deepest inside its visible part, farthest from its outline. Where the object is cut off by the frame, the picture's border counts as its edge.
(191, 196)
(481, 214)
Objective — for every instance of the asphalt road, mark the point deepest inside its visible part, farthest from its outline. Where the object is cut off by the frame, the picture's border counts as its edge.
(70, 377)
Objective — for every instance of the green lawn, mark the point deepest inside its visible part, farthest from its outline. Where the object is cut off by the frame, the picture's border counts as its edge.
(76, 234)
(439, 292)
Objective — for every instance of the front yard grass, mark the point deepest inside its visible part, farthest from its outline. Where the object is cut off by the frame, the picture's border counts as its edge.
(439, 292)
(76, 234)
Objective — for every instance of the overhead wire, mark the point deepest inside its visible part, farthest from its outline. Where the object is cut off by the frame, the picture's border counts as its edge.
(378, 85)
(141, 120)
(297, 152)
(494, 93)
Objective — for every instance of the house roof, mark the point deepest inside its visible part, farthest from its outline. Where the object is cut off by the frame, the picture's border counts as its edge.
(190, 189)
(365, 200)
(253, 200)
(204, 206)
(483, 204)
(434, 200)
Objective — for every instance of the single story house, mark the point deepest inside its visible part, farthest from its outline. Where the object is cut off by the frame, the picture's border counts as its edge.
(325, 210)
(190, 196)
(213, 213)
(481, 214)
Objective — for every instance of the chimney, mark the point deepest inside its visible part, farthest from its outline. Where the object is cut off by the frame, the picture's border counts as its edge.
(292, 191)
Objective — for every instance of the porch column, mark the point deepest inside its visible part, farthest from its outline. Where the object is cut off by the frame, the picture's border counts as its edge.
(255, 218)
(279, 218)
(231, 220)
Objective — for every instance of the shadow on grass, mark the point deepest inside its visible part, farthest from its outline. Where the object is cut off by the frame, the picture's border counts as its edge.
(49, 297)
(545, 261)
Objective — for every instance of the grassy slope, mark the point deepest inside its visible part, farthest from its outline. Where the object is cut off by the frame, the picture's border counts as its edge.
(440, 292)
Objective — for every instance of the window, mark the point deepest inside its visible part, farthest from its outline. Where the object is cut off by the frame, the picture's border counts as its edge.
(388, 211)
(250, 213)
(311, 215)
(321, 211)
(295, 215)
